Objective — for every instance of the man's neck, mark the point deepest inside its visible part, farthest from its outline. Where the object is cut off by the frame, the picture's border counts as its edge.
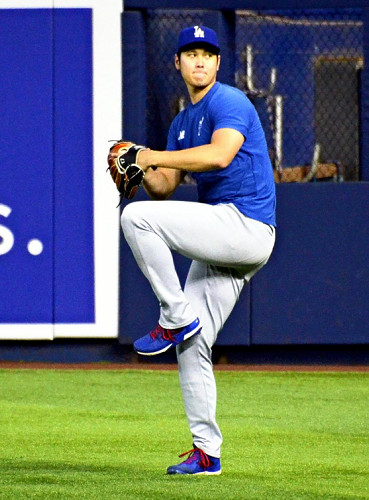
(197, 93)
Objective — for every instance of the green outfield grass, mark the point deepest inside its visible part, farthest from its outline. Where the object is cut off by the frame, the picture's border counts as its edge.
(100, 434)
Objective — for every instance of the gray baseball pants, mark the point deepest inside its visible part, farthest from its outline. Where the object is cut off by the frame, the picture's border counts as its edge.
(226, 249)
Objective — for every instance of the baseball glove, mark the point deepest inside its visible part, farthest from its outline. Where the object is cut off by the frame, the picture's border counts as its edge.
(123, 167)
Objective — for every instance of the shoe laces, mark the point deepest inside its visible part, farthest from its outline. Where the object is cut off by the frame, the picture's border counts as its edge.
(204, 461)
(165, 333)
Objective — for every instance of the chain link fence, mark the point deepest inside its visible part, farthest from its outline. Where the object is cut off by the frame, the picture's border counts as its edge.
(301, 69)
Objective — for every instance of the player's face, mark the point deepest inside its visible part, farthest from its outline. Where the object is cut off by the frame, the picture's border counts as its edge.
(198, 67)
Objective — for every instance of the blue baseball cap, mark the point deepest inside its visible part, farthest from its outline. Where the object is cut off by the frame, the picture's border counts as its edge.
(198, 36)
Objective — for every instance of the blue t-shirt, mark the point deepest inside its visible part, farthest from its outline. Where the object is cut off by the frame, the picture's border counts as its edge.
(248, 181)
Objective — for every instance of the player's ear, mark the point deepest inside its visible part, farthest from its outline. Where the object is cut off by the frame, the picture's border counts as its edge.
(218, 62)
(177, 63)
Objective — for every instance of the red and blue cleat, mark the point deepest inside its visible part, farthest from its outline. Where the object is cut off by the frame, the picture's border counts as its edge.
(198, 462)
(161, 339)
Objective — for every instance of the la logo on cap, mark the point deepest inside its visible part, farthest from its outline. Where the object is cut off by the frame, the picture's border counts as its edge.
(199, 33)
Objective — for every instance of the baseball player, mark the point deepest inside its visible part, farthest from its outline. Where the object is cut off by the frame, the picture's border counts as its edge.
(228, 234)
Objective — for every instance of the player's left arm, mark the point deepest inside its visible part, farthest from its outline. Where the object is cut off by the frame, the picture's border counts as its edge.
(225, 144)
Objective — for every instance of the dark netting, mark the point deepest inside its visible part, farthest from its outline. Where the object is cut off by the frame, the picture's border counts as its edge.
(302, 71)
(300, 68)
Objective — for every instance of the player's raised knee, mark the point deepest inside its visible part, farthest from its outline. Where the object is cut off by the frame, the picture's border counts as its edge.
(133, 215)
